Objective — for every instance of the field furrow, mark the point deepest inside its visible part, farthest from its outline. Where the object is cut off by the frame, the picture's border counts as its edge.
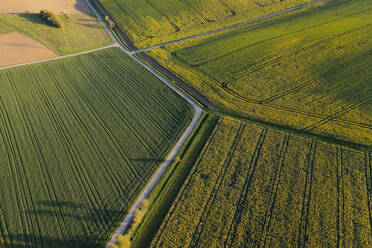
(216, 188)
(274, 190)
(307, 70)
(280, 190)
(76, 149)
(243, 194)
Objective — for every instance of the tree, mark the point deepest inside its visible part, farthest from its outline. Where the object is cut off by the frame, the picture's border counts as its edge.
(110, 22)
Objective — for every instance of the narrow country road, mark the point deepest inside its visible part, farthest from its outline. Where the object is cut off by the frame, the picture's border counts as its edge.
(197, 110)
(150, 186)
(230, 27)
(196, 117)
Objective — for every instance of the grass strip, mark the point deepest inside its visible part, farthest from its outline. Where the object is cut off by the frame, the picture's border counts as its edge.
(167, 189)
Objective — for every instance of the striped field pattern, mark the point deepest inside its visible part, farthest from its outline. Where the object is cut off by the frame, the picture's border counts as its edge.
(309, 70)
(257, 187)
(79, 138)
(150, 22)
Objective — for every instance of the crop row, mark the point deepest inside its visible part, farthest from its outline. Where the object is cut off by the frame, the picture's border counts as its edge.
(79, 138)
(150, 22)
(271, 189)
(308, 71)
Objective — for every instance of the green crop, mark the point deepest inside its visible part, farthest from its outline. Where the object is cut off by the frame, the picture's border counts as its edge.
(257, 187)
(308, 71)
(79, 138)
(150, 22)
(80, 32)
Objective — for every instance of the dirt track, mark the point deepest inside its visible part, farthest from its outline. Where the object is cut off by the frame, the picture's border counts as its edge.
(34, 6)
(16, 48)
(56, 58)
(233, 26)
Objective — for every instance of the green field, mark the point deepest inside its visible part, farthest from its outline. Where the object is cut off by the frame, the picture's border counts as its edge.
(79, 138)
(257, 187)
(76, 36)
(308, 71)
(150, 22)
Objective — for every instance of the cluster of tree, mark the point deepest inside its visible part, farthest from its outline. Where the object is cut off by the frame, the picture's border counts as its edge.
(51, 18)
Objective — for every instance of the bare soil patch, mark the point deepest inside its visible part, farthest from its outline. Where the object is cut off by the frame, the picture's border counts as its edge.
(16, 48)
(34, 6)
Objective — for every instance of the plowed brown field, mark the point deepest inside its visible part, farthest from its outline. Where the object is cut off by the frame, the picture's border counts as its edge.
(16, 48)
(34, 6)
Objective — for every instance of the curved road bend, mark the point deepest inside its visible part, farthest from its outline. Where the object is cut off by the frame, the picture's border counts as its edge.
(150, 186)
(197, 110)
(157, 66)
(196, 117)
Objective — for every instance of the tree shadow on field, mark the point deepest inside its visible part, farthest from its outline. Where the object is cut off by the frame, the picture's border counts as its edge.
(27, 241)
(34, 18)
(90, 25)
(75, 224)
(147, 160)
(63, 203)
(81, 6)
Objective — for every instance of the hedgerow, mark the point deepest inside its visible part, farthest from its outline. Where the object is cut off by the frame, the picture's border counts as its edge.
(51, 18)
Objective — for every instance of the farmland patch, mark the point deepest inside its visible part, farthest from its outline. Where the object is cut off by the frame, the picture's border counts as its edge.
(16, 48)
(79, 138)
(76, 36)
(152, 22)
(34, 6)
(306, 71)
(256, 187)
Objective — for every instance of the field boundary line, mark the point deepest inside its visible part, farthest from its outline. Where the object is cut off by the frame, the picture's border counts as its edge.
(57, 58)
(290, 54)
(230, 27)
(341, 112)
(315, 79)
(236, 95)
(174, 25)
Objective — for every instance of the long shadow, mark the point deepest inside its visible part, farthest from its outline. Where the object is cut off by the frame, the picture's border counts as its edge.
(95, 225)
(34, 18)
(24, 241)
(95, 25)
(61, 203)
(147, 160)
(81, 6)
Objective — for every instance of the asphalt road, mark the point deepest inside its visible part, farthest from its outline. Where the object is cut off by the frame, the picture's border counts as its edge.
(197, 110)
(160, 171)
